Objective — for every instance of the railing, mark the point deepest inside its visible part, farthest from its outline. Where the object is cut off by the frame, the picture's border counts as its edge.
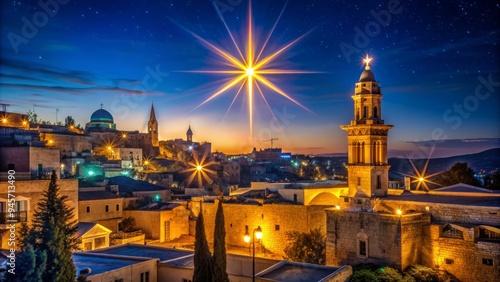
(20, 216)
(25, 175)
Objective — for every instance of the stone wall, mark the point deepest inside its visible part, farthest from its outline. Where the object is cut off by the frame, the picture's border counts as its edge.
(275, 221)
(462, 257)
(98, 212)
(153, 222)
(68, 142)
(391, 239)
(446, 212)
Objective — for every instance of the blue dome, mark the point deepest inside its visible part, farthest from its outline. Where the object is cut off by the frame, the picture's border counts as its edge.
(101, 116)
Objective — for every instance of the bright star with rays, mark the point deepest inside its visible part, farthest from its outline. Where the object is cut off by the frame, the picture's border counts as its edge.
(367, 61)
(200, 169)
(420, 177)
(250, 69)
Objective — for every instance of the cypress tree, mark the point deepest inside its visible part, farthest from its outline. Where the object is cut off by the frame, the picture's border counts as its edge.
(53, 232)
(202, 257)
(219, 263)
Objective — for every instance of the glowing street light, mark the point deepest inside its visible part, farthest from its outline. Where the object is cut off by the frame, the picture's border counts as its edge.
(399, 212)
(4, 120)
(257, 233)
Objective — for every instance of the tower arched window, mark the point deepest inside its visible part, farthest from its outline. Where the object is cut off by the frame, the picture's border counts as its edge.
(374, 152)
(375, 112)
(357, 113)
(363, 152)
(365, 111)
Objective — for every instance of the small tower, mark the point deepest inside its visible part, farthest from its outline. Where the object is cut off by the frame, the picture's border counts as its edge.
(367, 166)
(153, 127)
(189, 135)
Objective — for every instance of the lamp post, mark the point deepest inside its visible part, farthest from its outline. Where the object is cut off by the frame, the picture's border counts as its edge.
(257, 233)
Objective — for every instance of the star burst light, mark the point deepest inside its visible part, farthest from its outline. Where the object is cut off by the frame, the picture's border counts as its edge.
(249, 69)
(200, 169)
(420, 177)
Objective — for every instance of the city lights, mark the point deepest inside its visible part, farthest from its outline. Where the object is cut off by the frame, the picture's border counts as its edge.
(199, 169)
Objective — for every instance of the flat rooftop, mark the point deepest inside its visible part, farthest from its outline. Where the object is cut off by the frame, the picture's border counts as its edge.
(101, 264)
(144, 251)
(297, 272)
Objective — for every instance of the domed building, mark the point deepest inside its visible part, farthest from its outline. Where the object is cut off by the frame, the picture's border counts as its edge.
(100, 119)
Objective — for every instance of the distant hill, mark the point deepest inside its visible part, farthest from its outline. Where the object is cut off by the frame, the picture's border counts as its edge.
(488, 160)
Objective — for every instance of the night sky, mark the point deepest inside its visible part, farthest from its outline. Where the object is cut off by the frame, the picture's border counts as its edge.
(437, 63)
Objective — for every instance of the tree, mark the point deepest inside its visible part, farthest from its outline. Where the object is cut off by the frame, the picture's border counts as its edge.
(30, 265)
(68, 121)
(306, 247)
(219, 263)
(458, 173)
(202, 257)
(53, 232)
(32, 117)
(127, 224)
(493, 181)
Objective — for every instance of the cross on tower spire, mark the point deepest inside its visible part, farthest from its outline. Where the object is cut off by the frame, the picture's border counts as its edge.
(102, 105)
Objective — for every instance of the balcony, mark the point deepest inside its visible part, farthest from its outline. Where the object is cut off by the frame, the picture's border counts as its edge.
(20, 216)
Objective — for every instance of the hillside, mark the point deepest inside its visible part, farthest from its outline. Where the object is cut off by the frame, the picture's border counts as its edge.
(488, 160)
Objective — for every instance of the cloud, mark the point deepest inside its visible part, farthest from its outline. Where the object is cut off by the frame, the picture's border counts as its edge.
(458, 143)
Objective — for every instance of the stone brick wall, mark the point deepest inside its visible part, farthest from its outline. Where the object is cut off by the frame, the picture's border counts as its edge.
(274, 219)
(447, 212)
(463, 258)
(391, 239)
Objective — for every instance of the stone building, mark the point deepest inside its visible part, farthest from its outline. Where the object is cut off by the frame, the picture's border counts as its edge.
(454, 229)
(28, 193)
(275, 221)
(29, 162)
(105, 135)
(101, 207)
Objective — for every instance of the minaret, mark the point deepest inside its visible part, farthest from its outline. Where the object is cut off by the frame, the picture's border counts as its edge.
(153, 127)
(367, 166)
(189, 135)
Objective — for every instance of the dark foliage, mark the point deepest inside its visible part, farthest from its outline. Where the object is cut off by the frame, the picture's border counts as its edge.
(202, 257)
(306, 247)
(53, 232)
(219, 263)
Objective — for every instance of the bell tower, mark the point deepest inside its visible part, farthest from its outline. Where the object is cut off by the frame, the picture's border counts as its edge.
(153, 127)
(367, 165)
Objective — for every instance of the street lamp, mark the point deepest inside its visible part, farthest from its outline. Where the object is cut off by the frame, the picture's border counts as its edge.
(257, 233)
